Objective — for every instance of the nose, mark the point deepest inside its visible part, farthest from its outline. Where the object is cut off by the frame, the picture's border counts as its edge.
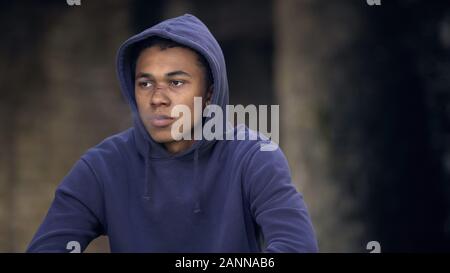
(159, 98)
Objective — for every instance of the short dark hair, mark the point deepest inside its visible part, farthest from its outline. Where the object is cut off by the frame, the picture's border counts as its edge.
(164, 44)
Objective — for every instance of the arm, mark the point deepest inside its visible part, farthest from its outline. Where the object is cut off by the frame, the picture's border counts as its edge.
(75, 213)
(276, 205)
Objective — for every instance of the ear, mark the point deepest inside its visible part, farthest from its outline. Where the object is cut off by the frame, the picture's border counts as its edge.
(209, 93)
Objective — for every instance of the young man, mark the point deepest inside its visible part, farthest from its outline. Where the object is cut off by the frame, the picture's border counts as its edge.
(151, 193)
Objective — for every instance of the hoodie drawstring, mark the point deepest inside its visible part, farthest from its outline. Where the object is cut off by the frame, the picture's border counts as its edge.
(147, 176)
(197, 186)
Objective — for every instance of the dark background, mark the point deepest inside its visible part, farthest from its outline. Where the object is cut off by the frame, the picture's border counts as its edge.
(364, 95)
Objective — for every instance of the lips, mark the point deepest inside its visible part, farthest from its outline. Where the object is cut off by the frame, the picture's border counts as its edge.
(161, 120)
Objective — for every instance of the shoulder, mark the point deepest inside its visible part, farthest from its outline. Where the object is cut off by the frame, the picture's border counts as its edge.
(249, 145)
(112, 148)
(262, 162)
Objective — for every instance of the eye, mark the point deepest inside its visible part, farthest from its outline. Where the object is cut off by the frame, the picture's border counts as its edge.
(145, 84)
(176, 83)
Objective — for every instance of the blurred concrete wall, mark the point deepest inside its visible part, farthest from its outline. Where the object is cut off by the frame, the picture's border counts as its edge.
(310, 38)
(362, 91)
(71, 102)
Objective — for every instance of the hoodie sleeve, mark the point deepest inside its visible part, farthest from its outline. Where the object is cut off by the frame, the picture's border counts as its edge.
(276, 205)
(73, 219)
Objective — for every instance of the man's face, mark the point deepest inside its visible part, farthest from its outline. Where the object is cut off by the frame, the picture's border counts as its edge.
(165, 78)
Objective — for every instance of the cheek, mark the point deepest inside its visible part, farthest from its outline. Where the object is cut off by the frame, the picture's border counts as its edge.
(141, 99)
(137, 98)
(185, 96)
(197, 90)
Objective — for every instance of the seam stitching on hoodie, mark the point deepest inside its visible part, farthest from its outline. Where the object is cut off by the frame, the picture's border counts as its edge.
(97, 180)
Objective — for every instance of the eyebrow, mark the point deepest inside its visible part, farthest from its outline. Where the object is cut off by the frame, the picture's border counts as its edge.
(170, 74)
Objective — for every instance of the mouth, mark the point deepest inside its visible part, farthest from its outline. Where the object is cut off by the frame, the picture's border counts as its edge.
(161, 120)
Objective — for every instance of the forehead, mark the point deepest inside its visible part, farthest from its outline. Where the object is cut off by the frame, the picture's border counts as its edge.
(166, 60)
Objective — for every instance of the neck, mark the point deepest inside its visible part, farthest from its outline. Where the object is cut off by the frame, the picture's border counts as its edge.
(176, 147)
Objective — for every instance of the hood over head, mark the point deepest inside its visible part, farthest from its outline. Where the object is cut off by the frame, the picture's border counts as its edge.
(189, 31)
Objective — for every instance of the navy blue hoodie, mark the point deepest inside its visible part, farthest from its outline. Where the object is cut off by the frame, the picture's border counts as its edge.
(216, 196)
